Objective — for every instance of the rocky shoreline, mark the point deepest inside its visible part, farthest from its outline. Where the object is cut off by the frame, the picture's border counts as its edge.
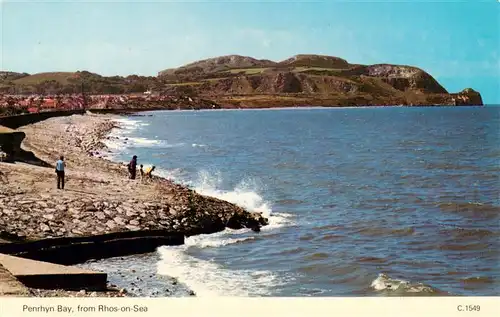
(98, 198)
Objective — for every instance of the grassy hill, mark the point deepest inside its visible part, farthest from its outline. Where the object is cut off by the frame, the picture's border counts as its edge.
(63, 78)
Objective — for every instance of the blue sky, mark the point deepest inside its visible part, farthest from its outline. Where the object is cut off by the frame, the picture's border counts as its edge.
(455, 41)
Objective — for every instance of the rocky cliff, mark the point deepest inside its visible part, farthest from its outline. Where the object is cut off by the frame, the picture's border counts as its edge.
(311, 79)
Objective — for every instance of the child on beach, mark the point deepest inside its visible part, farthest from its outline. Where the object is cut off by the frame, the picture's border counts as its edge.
(142, 172)
(149, 171)
(60, 172)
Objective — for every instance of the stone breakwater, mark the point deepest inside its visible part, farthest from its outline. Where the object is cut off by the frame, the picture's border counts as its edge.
(39, 216)
(98, 197)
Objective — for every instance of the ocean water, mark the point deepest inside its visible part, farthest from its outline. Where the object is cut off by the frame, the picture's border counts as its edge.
(362, 201)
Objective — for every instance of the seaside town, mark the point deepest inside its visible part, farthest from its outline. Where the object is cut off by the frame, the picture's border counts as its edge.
(40, 103)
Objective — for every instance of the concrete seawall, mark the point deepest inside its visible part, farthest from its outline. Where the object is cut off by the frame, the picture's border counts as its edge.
(10, 286)
(10, 141)
(10, 144)
(15, 122)
(75, 250)
(44, 275)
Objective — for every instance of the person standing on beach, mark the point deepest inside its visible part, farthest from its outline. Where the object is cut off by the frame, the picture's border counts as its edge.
(142, 172)
(132, 167)
(60, 172)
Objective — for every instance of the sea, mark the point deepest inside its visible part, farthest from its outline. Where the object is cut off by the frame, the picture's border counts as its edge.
(376, 201)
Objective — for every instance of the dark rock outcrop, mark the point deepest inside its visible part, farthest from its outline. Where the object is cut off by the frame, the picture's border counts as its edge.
(468, 96)
(253, 221)
(10, 143)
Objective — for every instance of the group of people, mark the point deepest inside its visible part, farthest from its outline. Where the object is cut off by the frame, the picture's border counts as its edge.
(132, 169)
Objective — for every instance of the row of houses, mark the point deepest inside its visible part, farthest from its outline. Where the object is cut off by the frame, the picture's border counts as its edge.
(37, 103)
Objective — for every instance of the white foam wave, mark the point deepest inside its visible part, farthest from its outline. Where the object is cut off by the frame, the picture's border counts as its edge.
(246, 195)
(215, 240)
(116, 137)
(198, 145)
(385, 283)
(126, 123)
(119, 137)
(173, 174)
(278, 220)
(113, 144)
(138, 142)
(120, 142)
(209, 279)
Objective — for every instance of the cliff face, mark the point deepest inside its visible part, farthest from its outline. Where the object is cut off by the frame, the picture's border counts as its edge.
(382, 80)
(405, 77)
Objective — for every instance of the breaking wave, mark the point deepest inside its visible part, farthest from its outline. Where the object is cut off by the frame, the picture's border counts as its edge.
(210, 279)
(391, 286)
(207, 278)
(245, 194)
(219, 239)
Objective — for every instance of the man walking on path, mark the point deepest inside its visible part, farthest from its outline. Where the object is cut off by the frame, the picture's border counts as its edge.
(132, 167)
(60, 173)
